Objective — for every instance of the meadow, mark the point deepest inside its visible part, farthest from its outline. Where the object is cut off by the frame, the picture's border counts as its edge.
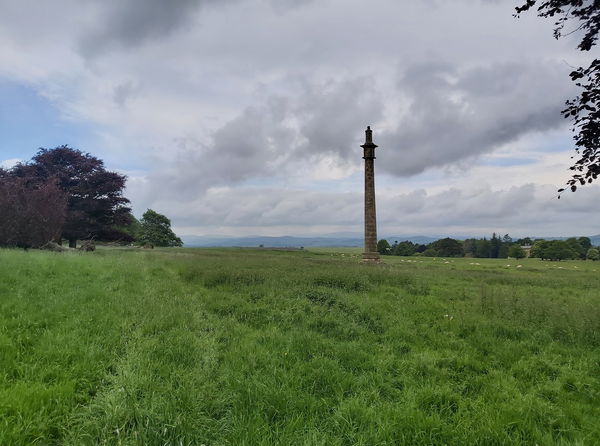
(259, 347)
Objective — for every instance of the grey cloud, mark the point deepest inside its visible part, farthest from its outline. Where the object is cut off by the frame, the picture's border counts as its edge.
(243, 148)
(453, 115)
(282, 6)
(248, 206)
(521, 210)
(456, 115)
(130, 23)
(123, 92)
(332, 117)
(270, 139)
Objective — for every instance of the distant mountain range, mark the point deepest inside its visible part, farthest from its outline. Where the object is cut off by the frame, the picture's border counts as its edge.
(272, 242)
(338, 240)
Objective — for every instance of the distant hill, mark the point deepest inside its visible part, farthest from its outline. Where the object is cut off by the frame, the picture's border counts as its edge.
(420, 239)
(338, 240)
(272, 242)
(326, 241)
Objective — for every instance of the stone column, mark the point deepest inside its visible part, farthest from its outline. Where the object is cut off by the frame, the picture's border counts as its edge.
(370, 254)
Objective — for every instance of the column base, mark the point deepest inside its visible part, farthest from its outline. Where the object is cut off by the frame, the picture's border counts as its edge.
(371, 257)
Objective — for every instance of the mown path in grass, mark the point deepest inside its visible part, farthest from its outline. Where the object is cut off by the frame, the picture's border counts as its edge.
(258, 347)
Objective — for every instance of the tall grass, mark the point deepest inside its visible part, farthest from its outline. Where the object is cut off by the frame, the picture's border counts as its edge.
(242, 347)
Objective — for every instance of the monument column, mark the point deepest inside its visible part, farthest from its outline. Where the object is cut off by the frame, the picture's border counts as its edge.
(370, 254)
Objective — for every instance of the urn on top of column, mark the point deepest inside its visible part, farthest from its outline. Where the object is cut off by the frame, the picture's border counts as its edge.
(368, 146)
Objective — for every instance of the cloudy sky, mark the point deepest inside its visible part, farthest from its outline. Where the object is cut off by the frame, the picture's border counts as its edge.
(245, 117)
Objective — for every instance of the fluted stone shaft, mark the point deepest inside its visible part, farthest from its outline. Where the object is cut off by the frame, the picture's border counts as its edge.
(370, 253)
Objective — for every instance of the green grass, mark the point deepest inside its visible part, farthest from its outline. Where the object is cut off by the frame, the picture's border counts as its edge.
(258, 347)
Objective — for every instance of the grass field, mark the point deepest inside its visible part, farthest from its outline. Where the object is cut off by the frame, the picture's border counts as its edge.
(258, 347)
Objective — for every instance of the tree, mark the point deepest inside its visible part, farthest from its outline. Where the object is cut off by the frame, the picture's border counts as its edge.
(482, 248)
(130, 231)
(593, 254)
(470, 247)
(538, 249)
(585, 243)
(95, 202)
(495, 244)
(559, 250)
(430, 252)
(576, 246)
(156, 230)
(584, 111)
(515, 251)
(405, 248)
(383, 247)
(31, 215)
(525, 241)
(553, 250)
(447, 247)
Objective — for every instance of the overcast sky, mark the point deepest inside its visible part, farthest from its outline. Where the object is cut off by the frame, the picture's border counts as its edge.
(245, 117)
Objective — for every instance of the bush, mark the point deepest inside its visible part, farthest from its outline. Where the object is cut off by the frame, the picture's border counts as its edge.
(383, 247)
(516, 252)
(32, 216)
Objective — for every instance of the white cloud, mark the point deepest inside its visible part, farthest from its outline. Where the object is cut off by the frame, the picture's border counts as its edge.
(247, 115)
(7, 164)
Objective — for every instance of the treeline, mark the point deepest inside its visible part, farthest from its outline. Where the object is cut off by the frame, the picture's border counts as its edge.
(65, 194)
(495, 247)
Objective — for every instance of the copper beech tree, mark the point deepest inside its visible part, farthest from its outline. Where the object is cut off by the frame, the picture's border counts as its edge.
(96, 207)
(31, 215)
(583, 17)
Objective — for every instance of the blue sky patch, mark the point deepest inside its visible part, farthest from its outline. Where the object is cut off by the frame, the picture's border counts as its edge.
(29, 121)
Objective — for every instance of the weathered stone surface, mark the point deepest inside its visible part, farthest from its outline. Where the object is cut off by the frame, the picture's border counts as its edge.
(370, 254)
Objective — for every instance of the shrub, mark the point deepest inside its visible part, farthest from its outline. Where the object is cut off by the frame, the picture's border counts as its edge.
(32, 215)
(593, 254)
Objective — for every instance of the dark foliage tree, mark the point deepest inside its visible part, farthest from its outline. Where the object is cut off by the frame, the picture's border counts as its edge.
(577, 247)
(553, 250)
(538, 248)
(515, 251)
(447, 247)
(430, 252)
(593, 254)
(469, 247)
(156, 230)
(483, 248)
(525, 241)
(31, 215)
(503, 252)
(560, 250)
(96, 206)
(420, 248)
(585, 243)
(405, 248)
(383, 247)
(495, 244)
(130, 231)
(581, 16)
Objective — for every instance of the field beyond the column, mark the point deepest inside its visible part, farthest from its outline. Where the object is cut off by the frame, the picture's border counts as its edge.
(305, 347)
